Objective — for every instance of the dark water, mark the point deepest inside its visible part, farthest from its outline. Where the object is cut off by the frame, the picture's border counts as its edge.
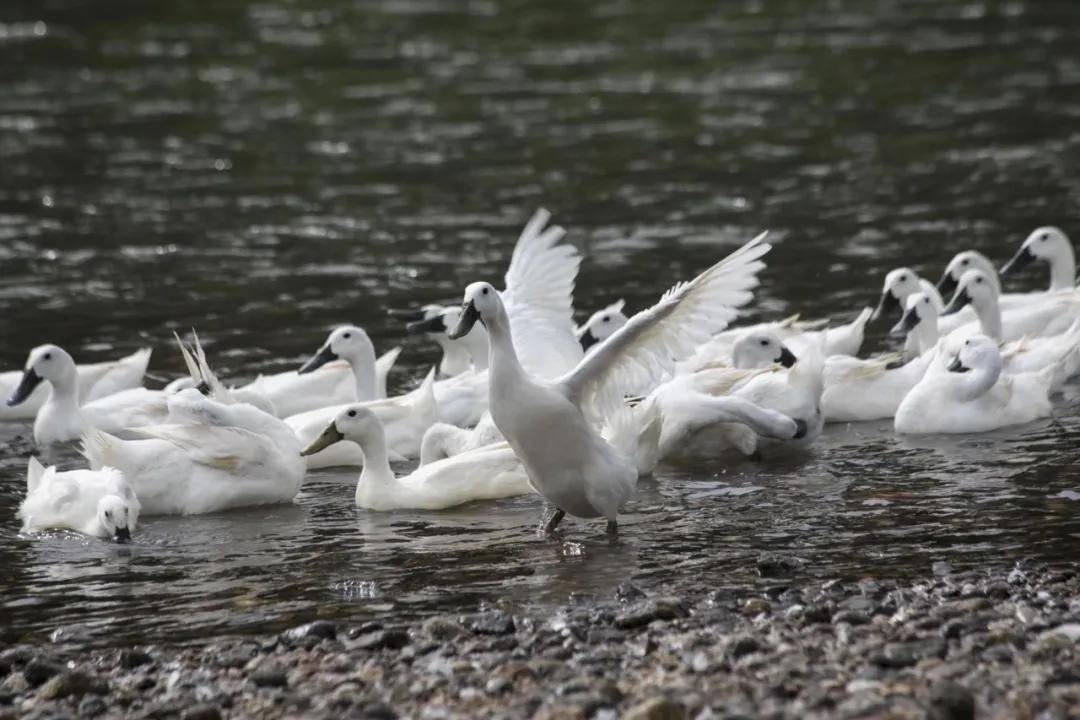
(264, 171)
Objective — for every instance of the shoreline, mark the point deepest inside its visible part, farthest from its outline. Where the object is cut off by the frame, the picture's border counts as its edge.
(986, 644)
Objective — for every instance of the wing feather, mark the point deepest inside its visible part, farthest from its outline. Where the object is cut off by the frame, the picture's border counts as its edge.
(637, 357)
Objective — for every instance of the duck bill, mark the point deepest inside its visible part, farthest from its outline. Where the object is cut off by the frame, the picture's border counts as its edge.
(787, 358)
(30, 380)
(956, 366)
(587, 339)
(409, 316)
(123, 534)
(324, 356)
(887, 306)
(469, 316)
(329, 436)
(959, 301)
(434, 325)
(1020, 260)
(909, 322)
(947, 284)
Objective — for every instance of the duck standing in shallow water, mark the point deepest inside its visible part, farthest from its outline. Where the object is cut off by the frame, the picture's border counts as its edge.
(98, 503)
(974, 395)
(554, 426)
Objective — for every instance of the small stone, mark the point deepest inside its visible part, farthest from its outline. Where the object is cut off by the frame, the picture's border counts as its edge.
(902, 655)
(1068, 631)
(642, 613)
(851, 617)
(204, 711)
(951, 701)
(132, 658)
(628, 592)
(494, 622)
(756, 606)
(998, 590)
(73, 683)
(743, 645)
(497, 686)
(317, 630)
(92, 706)
(775, 565)
(269, 675)
(441, 628)
(656, 709)
(378, 711)
(38, 670)
(383, 640)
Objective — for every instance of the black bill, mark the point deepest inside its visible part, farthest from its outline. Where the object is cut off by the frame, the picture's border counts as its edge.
(123, 534)
(325, 355)
(956, 366)
(960, 300)
(947, 284)
(30, 380)
(909, 322)
(889, 304)
(435, 324)
(787, 358)
(1020, 260)
(587, 339)
(469, 316)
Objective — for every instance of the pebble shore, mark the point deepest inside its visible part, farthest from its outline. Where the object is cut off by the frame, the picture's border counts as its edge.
(952, 646)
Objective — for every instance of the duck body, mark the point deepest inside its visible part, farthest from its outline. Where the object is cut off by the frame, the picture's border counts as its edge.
(974, 395)
(97, 503)
(209, 457)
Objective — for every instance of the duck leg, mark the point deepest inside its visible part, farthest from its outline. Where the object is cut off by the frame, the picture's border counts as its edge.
(553, 521)
(612, 527)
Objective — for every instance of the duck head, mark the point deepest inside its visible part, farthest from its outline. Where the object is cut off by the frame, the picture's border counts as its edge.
(46, 363)
(960, 264)
(1045, 244)
(601, 325)
(354, 422)
(975, 287)
(761, 349)
(919, 309)
(345, 343)
(899, 284)
(976, 353)
(481, 303)
(118, 516)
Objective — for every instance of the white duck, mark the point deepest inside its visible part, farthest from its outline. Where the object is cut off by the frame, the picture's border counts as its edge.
(437, 322)
(1052, 246)
(974, 395)
(462, 399)
(405, 417)
(333, 383)
(1051, 316)
(903, 282)
(484, 474)
(61, 418)
(601, 325)
(552, 425)
(210, 456)
(430, 321)
(1024, 355)
(96, 503)
(702, 413)
(975, 260)
(351, 344)
(96, 381)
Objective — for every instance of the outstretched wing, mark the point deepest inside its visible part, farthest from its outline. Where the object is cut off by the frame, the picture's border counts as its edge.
(224, 448)
(539, 298)
(635, 358)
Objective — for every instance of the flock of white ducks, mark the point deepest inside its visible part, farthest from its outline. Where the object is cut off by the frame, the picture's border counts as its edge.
(523, 401)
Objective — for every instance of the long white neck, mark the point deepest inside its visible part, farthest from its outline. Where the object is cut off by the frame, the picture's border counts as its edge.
(926, 332)
(1063, 268)
(455, 357)
(977, 381)
(476, 344)
(505, 372)
(363, 368)
(989, 313)
(377, 473)
(64, 396)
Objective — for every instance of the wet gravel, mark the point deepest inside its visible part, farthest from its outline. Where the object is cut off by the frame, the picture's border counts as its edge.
(986, 644)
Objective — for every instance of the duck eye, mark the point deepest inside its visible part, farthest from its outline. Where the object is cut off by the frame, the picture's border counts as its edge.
(352, 413)
(484, 291)
(965, 261)
(347, 335)
(903, 278)
(764, 343)
(108, 514)
(48, 356)
(606, 319)
(978, 280)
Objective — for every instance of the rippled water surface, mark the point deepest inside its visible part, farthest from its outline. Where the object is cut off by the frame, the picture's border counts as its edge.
(264, 171)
